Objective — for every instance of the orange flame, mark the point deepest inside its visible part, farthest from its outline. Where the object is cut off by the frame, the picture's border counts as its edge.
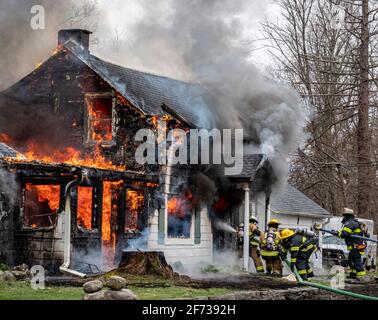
(68, 155)
(180, 206)
(135, 201)
(84, 207)
(100, 117)
(46, 193)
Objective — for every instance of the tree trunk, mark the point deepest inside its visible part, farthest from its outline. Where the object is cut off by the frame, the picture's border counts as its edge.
(363, 137)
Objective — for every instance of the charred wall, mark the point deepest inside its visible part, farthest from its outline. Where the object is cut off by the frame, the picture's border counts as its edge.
(50, 105)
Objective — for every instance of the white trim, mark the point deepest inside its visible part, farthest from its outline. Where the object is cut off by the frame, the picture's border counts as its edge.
(178, 241)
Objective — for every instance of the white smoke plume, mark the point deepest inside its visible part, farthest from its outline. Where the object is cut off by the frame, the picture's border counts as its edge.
(206, 41)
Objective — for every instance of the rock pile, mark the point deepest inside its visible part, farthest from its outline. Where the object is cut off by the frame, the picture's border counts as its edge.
(110, 289)
(20, 272)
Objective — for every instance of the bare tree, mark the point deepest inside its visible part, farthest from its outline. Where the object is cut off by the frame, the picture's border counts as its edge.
(332, 65)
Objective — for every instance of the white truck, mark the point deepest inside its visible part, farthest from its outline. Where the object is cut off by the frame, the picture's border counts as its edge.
(334, 250)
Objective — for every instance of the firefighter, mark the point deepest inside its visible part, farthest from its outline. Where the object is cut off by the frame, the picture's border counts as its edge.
(270, 248)
(356, 247)
(254, 244)
(301, 244)
(254, 238)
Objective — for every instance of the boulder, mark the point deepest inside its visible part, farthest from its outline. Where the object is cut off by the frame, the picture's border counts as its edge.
(93, 286)
(99, 295)
(20, 275)
(22, 267)
(124, 294)
(116, 283)
(9, 276)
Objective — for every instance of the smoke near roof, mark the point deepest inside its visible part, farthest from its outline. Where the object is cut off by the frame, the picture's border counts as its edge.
(204, 41)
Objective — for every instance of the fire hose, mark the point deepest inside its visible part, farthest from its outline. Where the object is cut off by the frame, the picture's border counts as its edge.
(327, 288)
(349, 236)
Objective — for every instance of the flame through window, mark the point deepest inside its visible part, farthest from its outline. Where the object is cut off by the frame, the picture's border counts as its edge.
(134, 207)
(100, 118)
(180, 211)
(85, 208)
(41, 205)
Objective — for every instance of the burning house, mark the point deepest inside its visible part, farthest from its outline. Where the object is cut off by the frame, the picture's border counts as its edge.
(71, 192)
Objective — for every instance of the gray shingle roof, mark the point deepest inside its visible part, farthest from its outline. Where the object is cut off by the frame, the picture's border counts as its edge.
(6, 151)
(292, 201)
(148, 92)
(251, 164)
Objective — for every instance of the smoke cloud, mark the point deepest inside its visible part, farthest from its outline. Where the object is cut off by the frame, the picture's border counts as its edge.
(203, 41)
(206, 41)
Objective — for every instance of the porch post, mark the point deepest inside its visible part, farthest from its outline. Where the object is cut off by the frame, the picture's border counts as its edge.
(246, 230)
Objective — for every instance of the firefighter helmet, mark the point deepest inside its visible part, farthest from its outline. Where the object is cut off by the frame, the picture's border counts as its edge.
(348, 212)
(253, 219)
(286, 233)
(273, 222)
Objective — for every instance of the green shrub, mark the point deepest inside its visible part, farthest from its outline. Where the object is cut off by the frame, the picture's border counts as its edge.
(3, 267)
(210, 269)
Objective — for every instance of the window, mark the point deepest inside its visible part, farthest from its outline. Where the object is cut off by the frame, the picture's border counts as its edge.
(85, 208)
(41, 205)
(134, 207)
(180, 211)
(100, 117)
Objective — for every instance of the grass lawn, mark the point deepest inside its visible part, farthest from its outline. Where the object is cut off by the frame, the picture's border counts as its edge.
(22, 291)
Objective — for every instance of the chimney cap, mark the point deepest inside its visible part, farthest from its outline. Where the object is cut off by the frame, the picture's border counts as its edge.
(75, 30)
(78, 36)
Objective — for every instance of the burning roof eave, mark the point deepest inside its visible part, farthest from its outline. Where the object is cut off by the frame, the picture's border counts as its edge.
(111, 175)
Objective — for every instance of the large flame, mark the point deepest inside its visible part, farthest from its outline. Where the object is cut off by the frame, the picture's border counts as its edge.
(135, 201)
(41, 205)
(109, 206)
(46, 193)
(44, 153)
(100, 117)
(109, 214)
(84, 207)
(180, 206)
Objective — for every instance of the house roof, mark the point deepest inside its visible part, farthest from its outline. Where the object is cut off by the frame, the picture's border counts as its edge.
(292, 201)
(251, 164)
(190, 102)
(149, 92)
(6, 151)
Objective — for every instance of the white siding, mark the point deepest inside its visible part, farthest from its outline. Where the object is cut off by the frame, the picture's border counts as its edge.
(187, 253)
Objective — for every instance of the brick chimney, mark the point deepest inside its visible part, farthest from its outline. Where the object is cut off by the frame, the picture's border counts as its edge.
(78, 36)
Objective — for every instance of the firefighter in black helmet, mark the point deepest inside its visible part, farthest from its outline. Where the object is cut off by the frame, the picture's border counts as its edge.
(356, 247)
(254, 243)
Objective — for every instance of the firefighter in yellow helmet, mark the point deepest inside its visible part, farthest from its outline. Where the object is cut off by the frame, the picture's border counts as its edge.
(301, 244)
(270, 242)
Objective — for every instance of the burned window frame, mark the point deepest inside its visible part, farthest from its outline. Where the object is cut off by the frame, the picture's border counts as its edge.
(176, 240)
(128, 188)
(37, 182)
(87, 132)
(96, 209)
